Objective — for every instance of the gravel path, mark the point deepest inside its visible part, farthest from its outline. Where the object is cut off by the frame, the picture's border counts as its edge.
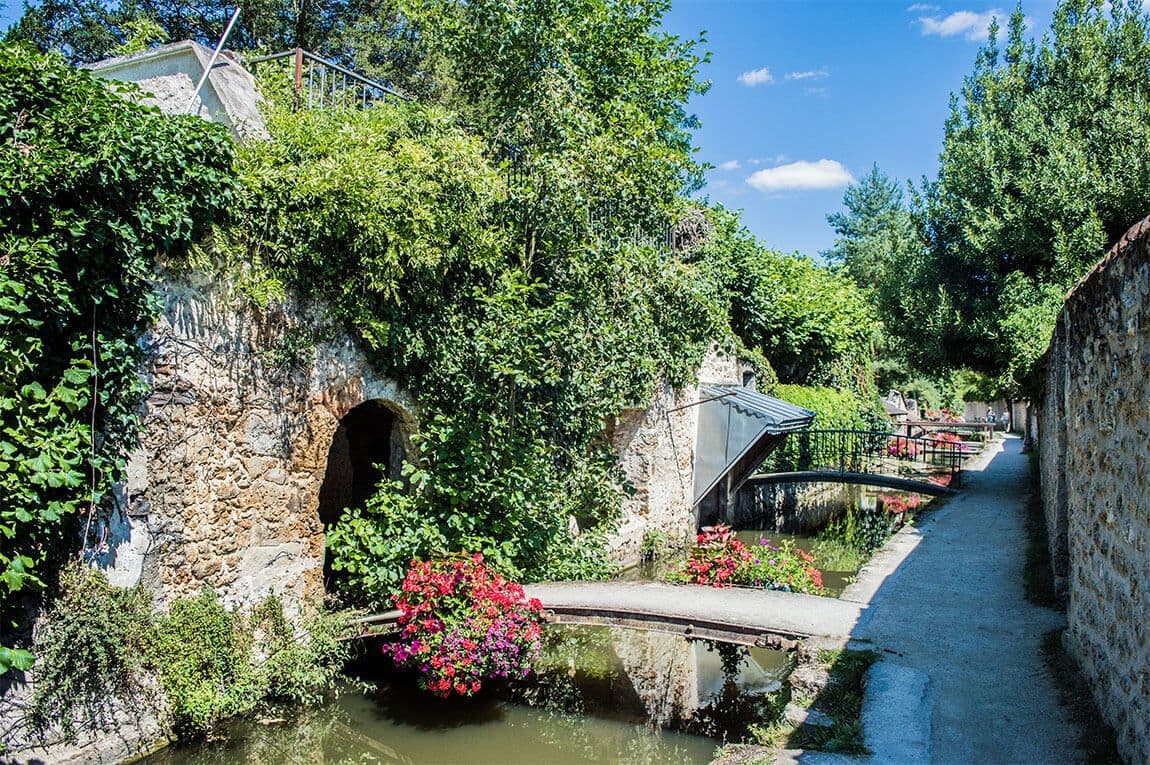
(955, 611)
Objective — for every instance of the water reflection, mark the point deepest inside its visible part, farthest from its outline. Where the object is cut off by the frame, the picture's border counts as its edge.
(599, 695)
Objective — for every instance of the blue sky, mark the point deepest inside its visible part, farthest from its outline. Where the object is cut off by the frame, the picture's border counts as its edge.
(808, 94)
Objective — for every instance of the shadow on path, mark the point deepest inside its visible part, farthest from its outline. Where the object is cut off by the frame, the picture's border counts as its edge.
(955, 617)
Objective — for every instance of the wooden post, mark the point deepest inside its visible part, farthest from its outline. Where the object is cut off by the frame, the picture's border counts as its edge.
(298, 78)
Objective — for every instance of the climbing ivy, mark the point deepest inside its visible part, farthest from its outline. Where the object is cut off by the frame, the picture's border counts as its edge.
(92, 190)
(403, 224)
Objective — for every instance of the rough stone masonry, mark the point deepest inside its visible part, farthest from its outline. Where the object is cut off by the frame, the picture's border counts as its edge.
(1094, 430)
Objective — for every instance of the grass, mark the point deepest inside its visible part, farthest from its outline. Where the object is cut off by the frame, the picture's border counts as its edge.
(1096, 738)
(837, 555)
(1037, 573)
(842, 700)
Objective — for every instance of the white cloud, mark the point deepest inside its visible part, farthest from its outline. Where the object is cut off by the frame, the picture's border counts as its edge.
(757, 77)
(730, 165)
(922, 8)
(813, 74)
(802, 176)
(816, 91)
(778, 159)
(973, 26)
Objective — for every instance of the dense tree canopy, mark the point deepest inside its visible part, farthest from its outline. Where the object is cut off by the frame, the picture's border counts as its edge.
(1045, 163)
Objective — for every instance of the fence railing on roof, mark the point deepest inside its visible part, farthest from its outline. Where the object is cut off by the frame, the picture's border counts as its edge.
(319, 82)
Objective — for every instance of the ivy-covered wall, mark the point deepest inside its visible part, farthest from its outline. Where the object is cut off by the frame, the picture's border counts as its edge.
(243, 409)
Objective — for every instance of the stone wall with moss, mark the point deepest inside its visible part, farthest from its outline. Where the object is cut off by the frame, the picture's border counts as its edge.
(1094, 432)
(243, 417)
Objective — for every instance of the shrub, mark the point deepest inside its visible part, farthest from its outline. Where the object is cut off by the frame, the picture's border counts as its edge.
(462, 623)
(202, 654)
(300, 665)
(89, 653)
(721, 560)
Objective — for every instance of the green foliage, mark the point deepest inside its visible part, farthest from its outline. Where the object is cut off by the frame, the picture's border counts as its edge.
(202, 652)
(874, 230)
(88, 30)
(835, 409)
(141, 33)
(655, 544)
(90, 654)
(813, 326)
(92, 189)
(521, 315)
(102, 647)
(842, 700)
(1044, 165)
(298, 665)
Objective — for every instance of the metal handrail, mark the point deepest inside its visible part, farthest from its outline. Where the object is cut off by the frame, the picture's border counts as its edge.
(300, 56)
(853, 451)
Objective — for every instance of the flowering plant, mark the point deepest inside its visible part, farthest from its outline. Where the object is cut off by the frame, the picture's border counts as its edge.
(903, 448)
(721, 560)
(899, 505)
(941, 479)
(943, 438)
(461, 623)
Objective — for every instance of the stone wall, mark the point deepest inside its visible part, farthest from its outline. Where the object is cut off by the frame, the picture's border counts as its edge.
(241, 444)
(224, 489)
(656, 448)
(1094, 440)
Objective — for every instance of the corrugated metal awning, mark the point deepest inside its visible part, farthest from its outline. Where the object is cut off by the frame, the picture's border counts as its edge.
(731, 423)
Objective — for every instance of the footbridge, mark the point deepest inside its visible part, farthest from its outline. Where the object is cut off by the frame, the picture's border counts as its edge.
(928, 464)
(748, 616)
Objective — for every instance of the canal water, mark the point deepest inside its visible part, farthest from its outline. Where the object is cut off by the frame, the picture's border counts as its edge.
(600, 695)
(840, 525)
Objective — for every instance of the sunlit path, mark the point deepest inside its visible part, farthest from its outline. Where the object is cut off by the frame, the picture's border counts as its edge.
(955, 610)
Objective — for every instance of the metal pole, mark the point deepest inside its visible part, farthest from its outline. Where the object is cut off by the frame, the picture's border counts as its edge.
(212, 61)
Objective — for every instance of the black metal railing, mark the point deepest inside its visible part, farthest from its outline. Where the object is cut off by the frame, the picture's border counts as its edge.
(867, 451)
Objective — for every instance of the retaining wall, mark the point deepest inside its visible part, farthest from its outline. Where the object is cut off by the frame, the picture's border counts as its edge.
(224, 488)
(1094, 440)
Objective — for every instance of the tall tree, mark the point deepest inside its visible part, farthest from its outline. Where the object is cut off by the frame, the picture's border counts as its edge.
(1046, 161)
(875, 226)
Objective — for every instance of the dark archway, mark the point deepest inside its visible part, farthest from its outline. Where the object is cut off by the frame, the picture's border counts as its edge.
(366, 449)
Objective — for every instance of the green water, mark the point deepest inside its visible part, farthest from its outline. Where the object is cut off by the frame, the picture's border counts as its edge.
(601, 696)
(839, 549)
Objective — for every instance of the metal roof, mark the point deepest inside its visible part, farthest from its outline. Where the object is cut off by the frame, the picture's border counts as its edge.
(732, 422)
(778, 415)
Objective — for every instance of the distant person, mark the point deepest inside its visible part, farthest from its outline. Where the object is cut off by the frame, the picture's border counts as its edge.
(990, 414)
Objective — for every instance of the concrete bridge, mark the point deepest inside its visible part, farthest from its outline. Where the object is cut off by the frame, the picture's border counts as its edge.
(743, 615)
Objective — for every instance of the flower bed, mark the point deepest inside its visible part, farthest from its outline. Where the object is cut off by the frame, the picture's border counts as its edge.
(461, 624)
(897, 504)
(721, 560)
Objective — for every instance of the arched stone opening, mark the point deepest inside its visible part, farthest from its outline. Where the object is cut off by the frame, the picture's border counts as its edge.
(369, 446)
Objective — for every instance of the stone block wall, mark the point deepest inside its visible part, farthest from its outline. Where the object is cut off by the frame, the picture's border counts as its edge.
(1094, 441)
(656, 448)
(224, 488)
